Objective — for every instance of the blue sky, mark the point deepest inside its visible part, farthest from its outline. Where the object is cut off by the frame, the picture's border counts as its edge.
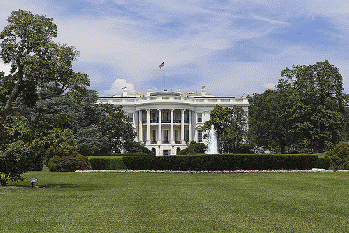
(231, 47)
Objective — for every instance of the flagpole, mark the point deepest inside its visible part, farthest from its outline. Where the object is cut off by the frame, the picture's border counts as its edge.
(162, 65)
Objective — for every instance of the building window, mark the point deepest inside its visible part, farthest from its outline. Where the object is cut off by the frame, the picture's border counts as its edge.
(153, 150)
(154, 118)
(166, 152)
(177, 118)
(165, 117)
(130, 116)
(199, 117)
(144, 135)
(186, 135)
(199, 136)
(165, 136)
(153, 136)
(176, 135)
(144, 117)
(186, 118)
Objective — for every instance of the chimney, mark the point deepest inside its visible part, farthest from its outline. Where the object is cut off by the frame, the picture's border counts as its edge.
(149, 91)
(124, 92)
(203, 91)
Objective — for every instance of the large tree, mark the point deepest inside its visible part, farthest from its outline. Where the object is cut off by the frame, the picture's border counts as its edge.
(117, 128)
(231, 127)
(97, 128)
(320, 107)
(270, 119)
(36, 62)
(305, 112)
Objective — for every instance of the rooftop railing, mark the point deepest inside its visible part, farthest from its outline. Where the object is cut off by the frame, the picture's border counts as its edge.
(202, 100)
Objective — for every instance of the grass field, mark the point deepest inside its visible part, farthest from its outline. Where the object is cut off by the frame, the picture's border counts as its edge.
(149, 202)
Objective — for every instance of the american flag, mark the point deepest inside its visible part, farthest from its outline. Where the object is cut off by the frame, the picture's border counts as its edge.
(162, 65)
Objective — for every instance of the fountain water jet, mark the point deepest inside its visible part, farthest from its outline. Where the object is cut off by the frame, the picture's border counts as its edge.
(212, 142)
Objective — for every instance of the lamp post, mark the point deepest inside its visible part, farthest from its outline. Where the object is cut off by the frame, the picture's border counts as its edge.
(33, 180)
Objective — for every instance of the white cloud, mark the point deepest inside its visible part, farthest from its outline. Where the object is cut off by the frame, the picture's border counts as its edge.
(5, 68)
(269, 20)
(270, 85)
(118, 85)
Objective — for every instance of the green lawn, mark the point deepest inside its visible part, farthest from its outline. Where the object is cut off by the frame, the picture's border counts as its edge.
(148, 202)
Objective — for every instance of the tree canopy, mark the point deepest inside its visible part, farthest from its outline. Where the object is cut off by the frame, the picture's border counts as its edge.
(306, 110)
(35, 59)
(231, 127)
(37, 63)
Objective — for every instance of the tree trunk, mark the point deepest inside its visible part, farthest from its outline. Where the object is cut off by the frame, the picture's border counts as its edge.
(3, 182)
(12, 97)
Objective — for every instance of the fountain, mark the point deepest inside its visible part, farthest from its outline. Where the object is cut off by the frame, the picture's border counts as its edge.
(212, 142)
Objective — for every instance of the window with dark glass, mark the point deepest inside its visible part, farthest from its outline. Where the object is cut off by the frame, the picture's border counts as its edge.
(199, 117)
(199, 136)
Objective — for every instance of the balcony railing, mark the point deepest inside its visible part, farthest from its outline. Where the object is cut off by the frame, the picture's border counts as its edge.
(154, 120)
(153, 142)
(165, 142)
(165, 121)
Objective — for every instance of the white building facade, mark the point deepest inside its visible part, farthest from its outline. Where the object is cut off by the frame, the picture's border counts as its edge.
(165, 122)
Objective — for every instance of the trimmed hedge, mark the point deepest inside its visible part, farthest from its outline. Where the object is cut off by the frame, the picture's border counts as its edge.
(210, 162)
(119, 154)
(107, 163)
(324, 163)
(222, 162)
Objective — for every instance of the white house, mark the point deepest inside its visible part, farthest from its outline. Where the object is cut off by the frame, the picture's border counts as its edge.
(166, 121)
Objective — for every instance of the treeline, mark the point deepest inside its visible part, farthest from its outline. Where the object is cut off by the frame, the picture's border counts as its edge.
(306, 113)
(46, 109)
(47, 112)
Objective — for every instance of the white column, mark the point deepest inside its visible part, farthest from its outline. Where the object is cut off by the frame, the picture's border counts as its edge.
(172, 133)
(196, 135)
(148, 126)
(190, 126)
(182, 127)
(140, 126)
(159, 133)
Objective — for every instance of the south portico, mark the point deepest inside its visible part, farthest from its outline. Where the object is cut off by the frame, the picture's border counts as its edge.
(165, 129)
(165, 122)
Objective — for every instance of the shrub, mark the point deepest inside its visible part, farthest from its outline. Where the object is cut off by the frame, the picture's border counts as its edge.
(107, 163)
(59, 143)
(137, 148)
(37, 164)
(193, 148)
(120, 154)
(15, 160)
(68, 163)
(339, 156)
(136, 154)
